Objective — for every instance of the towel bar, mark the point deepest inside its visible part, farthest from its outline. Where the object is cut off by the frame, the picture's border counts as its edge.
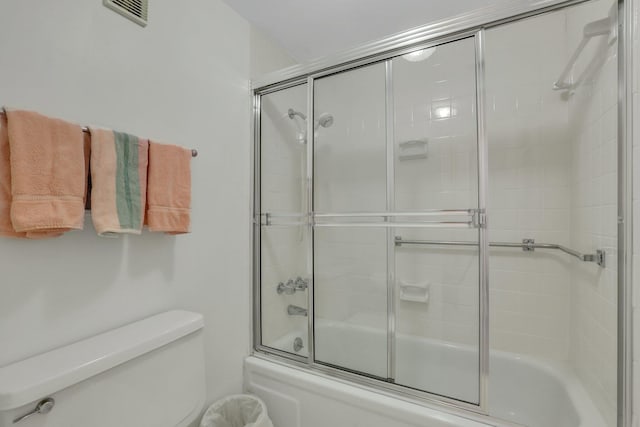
(194, 152)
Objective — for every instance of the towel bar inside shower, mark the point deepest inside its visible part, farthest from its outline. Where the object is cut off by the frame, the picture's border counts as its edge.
(527, 245)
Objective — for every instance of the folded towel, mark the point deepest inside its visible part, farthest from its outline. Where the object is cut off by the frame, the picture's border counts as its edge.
(6, 228)
(169, 189)
(118, 182)
(48, 174)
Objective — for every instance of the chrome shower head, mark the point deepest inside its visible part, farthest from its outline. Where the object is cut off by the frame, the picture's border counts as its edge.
(325, 120)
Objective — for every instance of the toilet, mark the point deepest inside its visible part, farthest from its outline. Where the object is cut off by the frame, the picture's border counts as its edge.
(149, 373)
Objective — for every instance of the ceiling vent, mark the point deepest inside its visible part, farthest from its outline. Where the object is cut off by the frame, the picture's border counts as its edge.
(135, 10)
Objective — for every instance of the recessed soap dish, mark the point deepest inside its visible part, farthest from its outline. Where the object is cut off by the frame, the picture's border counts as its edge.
(414, 292)
(413, 149)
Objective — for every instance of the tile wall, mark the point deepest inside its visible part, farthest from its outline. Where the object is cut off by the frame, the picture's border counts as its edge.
(593, 126)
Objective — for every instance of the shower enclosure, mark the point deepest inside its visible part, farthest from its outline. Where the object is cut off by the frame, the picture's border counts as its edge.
(444, 218)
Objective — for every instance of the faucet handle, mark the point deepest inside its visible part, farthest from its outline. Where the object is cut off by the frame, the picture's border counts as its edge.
(301, 284)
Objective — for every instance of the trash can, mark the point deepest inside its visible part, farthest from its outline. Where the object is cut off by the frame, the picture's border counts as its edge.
(240, 410)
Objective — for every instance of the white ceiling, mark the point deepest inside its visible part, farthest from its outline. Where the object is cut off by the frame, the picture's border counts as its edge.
(311, 29)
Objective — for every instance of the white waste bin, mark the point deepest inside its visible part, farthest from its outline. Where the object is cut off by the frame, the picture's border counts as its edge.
(240, 410)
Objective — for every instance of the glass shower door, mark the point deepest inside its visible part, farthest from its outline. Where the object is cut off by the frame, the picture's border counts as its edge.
(283, 233)
(350, 274)
(437, 270)
(396, 243)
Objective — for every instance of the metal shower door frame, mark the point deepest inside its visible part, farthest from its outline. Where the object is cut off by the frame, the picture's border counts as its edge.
(314, 220)
(474, 25)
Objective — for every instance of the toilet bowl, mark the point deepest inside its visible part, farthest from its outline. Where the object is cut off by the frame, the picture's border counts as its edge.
(149, 373)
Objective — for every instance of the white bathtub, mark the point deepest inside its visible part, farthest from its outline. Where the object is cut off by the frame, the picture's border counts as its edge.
(523, 390)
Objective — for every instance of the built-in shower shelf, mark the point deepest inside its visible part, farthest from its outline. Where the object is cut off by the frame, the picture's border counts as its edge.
(527, 245)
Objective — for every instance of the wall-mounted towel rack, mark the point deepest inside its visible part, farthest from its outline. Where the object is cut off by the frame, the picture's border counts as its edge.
(194, 152)
(593, 29)
(527, 245)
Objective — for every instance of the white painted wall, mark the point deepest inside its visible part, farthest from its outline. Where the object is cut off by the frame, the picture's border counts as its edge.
(182, 79)
(309, 30)
(266, 55)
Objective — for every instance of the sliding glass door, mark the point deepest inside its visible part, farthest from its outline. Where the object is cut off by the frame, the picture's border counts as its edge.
(437, 269)
(396, 244)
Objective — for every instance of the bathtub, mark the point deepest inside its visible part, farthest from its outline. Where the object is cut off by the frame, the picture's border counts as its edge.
(523, 390)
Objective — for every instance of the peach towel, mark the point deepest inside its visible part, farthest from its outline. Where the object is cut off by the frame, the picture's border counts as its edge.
(48, 175)
(6, 228)
(169, 189)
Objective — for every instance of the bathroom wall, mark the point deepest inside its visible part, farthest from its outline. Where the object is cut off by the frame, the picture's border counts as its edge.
(266, 55)
(593, 125)
(182, 79)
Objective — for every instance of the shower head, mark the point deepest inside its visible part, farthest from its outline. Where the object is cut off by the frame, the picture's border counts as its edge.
(325, 120)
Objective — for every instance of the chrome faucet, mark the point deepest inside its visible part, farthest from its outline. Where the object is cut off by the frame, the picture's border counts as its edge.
(294, 310)
(292, 286)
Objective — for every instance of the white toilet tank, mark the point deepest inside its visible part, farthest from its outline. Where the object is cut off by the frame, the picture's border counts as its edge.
(146, 374)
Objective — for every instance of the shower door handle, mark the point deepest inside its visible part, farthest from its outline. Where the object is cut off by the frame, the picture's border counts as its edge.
(479, 218)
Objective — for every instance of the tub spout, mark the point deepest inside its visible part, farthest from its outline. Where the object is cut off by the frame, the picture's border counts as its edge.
(294, 310)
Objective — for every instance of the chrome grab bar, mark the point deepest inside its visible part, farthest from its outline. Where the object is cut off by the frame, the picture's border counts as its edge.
(527, 245)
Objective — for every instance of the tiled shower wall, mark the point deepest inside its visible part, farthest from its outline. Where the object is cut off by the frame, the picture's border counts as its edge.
(529, 193)
(529, 183)
(433, 102)
(529, 187)
(593, 137)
